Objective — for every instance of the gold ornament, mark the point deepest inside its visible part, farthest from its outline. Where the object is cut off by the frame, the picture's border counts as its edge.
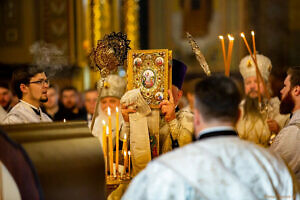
(198, 54)
(110, 52)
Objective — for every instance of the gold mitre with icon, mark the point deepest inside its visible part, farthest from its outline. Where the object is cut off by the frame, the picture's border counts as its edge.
(247, 66)
(151, 72)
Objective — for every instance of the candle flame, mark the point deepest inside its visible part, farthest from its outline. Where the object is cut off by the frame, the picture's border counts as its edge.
(124, 136)
(107, 130)
(117, 109)
(221, 37)
(252, 33)
(103, 122)
(124, 153)
(230, 37)
(108, 111)
(129, 153)
(65, 120)
(242, 35)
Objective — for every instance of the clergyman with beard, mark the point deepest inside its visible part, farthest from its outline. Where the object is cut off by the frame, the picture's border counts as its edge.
(254, 125)
(113, 90)
(287, 142)
(31, 85)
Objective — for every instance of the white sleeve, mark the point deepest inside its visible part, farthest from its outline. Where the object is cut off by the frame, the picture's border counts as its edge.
(287, 144)
(13, 119)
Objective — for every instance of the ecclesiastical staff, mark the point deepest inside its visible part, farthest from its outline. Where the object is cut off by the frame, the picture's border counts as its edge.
(110, 53)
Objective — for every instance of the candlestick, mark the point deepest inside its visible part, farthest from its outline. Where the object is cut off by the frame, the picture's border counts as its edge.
(230, 46)
(117, 141)
(129, 164)
(224, 52)
(110, 141)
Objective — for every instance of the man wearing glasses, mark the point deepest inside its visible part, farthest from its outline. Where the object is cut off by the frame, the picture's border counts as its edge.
(31, 86)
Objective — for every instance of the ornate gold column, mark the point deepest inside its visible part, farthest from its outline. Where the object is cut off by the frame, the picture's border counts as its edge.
(131, 16)
(99, 18)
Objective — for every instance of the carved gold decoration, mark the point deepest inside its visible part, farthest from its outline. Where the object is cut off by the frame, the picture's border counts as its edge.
(110, 52)
(150, 70)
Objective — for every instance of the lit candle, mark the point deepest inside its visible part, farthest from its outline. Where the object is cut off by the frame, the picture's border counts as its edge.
(256, 67)
(106, 150)
(258, 74)
(254, 46)
(125, 151)
(224, 52)
(117, 140)
(104, 138)
(110, 141)
(246, 43)
(125, 163)
(124, 148)
(129, 165)
(254, 55)
(230, 46)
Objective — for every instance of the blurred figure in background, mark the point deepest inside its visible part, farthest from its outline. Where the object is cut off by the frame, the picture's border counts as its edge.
(51, 106)
(68, 109)
(5, 100)
(189, 92)
(276, 79)
(90, 100)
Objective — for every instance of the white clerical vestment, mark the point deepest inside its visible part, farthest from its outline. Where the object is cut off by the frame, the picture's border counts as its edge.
(3, 114)
(287, 144)
(255, 129)
(181, 129)
(23, 112)
(141, 128)
(220, 168)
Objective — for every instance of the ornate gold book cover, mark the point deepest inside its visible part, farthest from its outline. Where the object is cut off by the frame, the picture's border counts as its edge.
(151, 71)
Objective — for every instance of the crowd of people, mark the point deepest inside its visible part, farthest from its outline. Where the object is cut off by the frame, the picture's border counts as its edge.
(221, 144)
(43, 101)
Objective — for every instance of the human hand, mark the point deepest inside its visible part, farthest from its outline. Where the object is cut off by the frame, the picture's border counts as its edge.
(273, 126)
(126, 111)
(168, 107)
